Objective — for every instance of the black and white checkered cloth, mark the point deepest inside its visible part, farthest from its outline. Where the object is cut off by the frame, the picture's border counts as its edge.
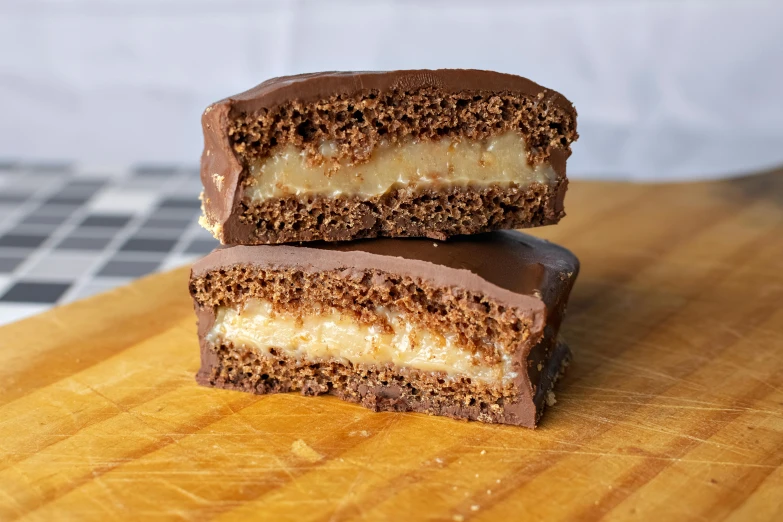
(68, 232)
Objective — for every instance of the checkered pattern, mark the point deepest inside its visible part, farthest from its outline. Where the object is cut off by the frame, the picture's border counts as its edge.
(68, 232)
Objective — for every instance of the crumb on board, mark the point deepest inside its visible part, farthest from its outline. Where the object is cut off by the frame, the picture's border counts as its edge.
(550, 398)
(305, 452)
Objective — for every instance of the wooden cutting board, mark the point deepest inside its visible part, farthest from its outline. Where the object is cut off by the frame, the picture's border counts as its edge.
(672, 409)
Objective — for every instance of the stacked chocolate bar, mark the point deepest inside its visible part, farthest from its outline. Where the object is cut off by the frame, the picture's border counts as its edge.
(370, 261)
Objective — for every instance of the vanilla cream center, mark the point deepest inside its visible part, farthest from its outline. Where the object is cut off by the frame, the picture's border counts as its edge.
(335, 335)
(500, 160)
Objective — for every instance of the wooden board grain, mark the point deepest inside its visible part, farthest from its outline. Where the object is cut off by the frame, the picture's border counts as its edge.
(672, 409)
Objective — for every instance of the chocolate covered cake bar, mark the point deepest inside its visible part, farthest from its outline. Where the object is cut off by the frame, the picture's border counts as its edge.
(338, 156)
(467, 328)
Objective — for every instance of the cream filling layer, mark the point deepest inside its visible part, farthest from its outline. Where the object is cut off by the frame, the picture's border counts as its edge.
(500, 160)
(335, 335)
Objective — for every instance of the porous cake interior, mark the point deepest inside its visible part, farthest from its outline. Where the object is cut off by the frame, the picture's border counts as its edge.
(403, 163)
(352, 127)
(365, 336)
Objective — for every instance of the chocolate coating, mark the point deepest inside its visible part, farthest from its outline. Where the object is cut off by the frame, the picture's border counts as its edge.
(515, 269)
(315, 86)
(222, 201)
(511, 267)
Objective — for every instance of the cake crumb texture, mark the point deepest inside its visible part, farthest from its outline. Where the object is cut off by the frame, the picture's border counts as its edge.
(356, 124)
(484, 326)
(433, 213)
(377, 387)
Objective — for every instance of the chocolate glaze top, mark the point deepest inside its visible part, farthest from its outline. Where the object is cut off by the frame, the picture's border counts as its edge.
(508, 266)
(316, 86)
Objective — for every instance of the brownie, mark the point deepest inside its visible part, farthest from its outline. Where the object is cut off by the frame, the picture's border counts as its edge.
(466, 328)
(429, 153)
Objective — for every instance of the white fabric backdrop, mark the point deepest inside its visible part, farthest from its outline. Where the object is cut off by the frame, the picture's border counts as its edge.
(664, 90)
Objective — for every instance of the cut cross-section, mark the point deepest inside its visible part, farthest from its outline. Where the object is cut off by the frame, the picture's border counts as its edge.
(464, 329)
(338, 156)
